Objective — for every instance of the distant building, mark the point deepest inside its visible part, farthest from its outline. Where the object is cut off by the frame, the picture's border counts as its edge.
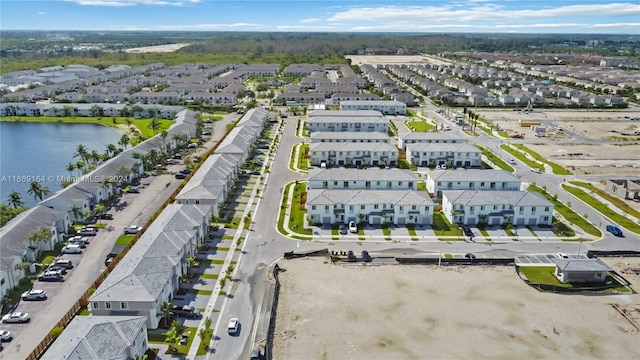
(581, 270)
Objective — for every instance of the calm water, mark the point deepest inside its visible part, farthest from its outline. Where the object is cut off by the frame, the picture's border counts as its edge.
(32, 150)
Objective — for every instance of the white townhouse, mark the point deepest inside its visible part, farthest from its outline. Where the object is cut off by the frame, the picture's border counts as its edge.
(344, 113)
(349, 136)
(101, 337)
(374, 207)
(452, 155)
(470, 179)
(211, 184)
(429, 137)
(353, 154)
(149, 274)
(368, 179)
(348, 124)
(473, 207)
(387, 107)
(239, 141)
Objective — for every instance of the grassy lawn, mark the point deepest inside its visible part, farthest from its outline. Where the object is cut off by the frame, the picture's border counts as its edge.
(335, 233)
(545, 275)
(212, 118)
(485, 233)
(200, 292)
(217, 262)
(532, 231)
(508, 229)
(84, 311)
(557, 169)
(296, 214)
(227, 237)
(302, 161)
(441, 226)
(124, 239)
(568, 214)
(230, 126)
(619, 203)
(204, 343)
(603, 209)
(222, 248)
(209, 276)
(360, 233)
(494, 159)
(520, 156)
(420, 126)
(184, 349)
(422, 185)
(13, 296)
(448, 256)
(48, 260)
(404, 164)
(386, 231)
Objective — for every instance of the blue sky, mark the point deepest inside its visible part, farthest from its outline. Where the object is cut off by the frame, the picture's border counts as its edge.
(513, 16)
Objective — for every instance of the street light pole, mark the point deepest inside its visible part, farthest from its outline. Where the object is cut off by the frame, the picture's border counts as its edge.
(579, 246)
(440, 256)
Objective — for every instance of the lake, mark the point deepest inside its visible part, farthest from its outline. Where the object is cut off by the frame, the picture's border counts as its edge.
(41, 151)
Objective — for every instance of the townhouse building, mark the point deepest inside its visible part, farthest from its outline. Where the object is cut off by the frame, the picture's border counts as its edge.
(348, 124)
(290, 98)
(387, 107)
(100, 337)
(473, 207)
(429, 137)
(373, 207)
(353, 154)
(149, 274)
(343, 113)
(449, 154)
(368, 179)
(470, 179)
(348, 136)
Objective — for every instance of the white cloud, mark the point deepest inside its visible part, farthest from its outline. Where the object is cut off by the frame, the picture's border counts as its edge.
(42, 13)
(213, 27)
(124, 3)
(310, 20)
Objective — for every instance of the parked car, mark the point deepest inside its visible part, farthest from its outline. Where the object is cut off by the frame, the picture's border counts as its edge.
(351, 257)
(133, 229)
(16, 317)
(512, 161)
(87, 232)
(133, 190)
(50, 276)
(59, 269)
(562, 255)
(186, 311)
(256, 354)
(353, 227)
(185, 171)
(105, 216)
(365, 256)
(342, 229)
(5, 336)
(64, 263)
(192, 146)
(34, 295)
(78, 242)
(180, 176)
(234, 326)
(470, 256)
(467, 230)
(71, 249)
(614, 230)
(537, 171)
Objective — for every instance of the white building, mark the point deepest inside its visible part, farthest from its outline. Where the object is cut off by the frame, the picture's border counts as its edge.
(348, 136)
(369, 179)
(450, 154)
(353, 154)
(370, 206)
(471, 179)
(473, 207)
(429, 137)
(348, 124)
(387, 107)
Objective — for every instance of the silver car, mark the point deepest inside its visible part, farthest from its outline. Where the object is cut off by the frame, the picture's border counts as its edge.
(16, 317)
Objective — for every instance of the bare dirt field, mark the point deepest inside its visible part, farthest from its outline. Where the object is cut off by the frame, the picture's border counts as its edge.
(395, 60)
(157, 48)
(423, 312)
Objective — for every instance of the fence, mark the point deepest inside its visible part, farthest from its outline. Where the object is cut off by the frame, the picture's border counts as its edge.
(268, 349)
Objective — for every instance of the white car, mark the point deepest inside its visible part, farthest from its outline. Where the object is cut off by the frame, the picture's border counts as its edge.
(537, 171)
(133, 229)
(16, 317)
(5, 336)
(234, 325)
(34, 295)
(562, 255)
(71, 249)
(353, 227)
(512, 161)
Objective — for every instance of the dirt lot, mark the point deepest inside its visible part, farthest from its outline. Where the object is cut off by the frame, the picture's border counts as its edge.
(157, 48)
(395, 60)
(419, 312)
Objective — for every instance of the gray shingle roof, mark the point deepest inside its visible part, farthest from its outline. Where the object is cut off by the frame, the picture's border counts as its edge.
(352, 146)
(348, 119)
(348, 135)
(581, 264)
(432, 136)
(480, 197)
(344, 113)
(373, 174)
(471, 175)
(364, 197)
(446, 147)
(97, 338)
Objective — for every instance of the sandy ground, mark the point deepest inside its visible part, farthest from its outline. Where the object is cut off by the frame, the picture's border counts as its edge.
(394, 60)
(157, 48)
(424, 312)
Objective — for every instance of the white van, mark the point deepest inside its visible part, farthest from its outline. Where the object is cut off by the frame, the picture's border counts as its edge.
(72, 249)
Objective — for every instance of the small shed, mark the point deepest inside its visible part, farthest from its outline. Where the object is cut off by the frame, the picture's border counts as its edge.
(581, 270)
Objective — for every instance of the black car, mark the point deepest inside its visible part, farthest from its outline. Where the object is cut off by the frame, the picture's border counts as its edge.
(467, 230)
(61, 269)
(365, 256)
(104, 216)
(181, 176)
(470, 256)
(185, 171)
(351, 257)
(342, 229)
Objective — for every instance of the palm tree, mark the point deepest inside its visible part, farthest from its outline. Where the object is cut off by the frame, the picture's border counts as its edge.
(15, 200)
(82, 152)
(80, 166)
(100, 209)
(155, 125)
(95, 157)
(191, 261)
(95, 110)
(360, 218)
(71, 167)
(164, 135)
(111, 149)
(39, 236)
(21, 266)
(37, 190)
(76, 211)
(124, 141)
(166, 309)
(67, 110)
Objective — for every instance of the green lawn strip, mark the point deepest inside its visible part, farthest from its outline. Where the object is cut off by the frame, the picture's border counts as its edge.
(404, 164)
(603, 209)
(448, 256)
(335, 233)
(217, 262)
(156, 338)
(504, 134)
(302, 162)
(522, 157)
(227, 237)
(508, 229)
(412, 232)
(533, 232)
(209, 276)
(567, 213)
(84, 311)
(292, 158)
(296, 214)
(485, 234)
(619, 203)
(283, 209)
(495, 159)
(420, 126)
(13, 296)
(200, 292)
(545, 275)
(557, 169)
(203, 348)
(124, 240)
(441, 226)
(184, 349)
(230, 126)
(422, 186)
(222, 248)
(360, 233)
(48, 260)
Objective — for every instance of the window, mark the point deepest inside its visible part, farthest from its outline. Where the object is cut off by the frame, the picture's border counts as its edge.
(411, 184)
(361, 207)
(546, 208)
(533, 209)
(546, 218)
(482, 207)
(414, 207)
(123, 305)
(495, 207)
(482, 183)
(2, 282)
(96, 305)
(313, 207)
(375, 206)
(107, 305)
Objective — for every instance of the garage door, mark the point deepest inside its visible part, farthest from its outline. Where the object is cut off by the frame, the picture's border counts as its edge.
(532, 221)
(375, 220)
(495, 221)
(401, 221)
(326, 219)
(471, 221)
(520, 222)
